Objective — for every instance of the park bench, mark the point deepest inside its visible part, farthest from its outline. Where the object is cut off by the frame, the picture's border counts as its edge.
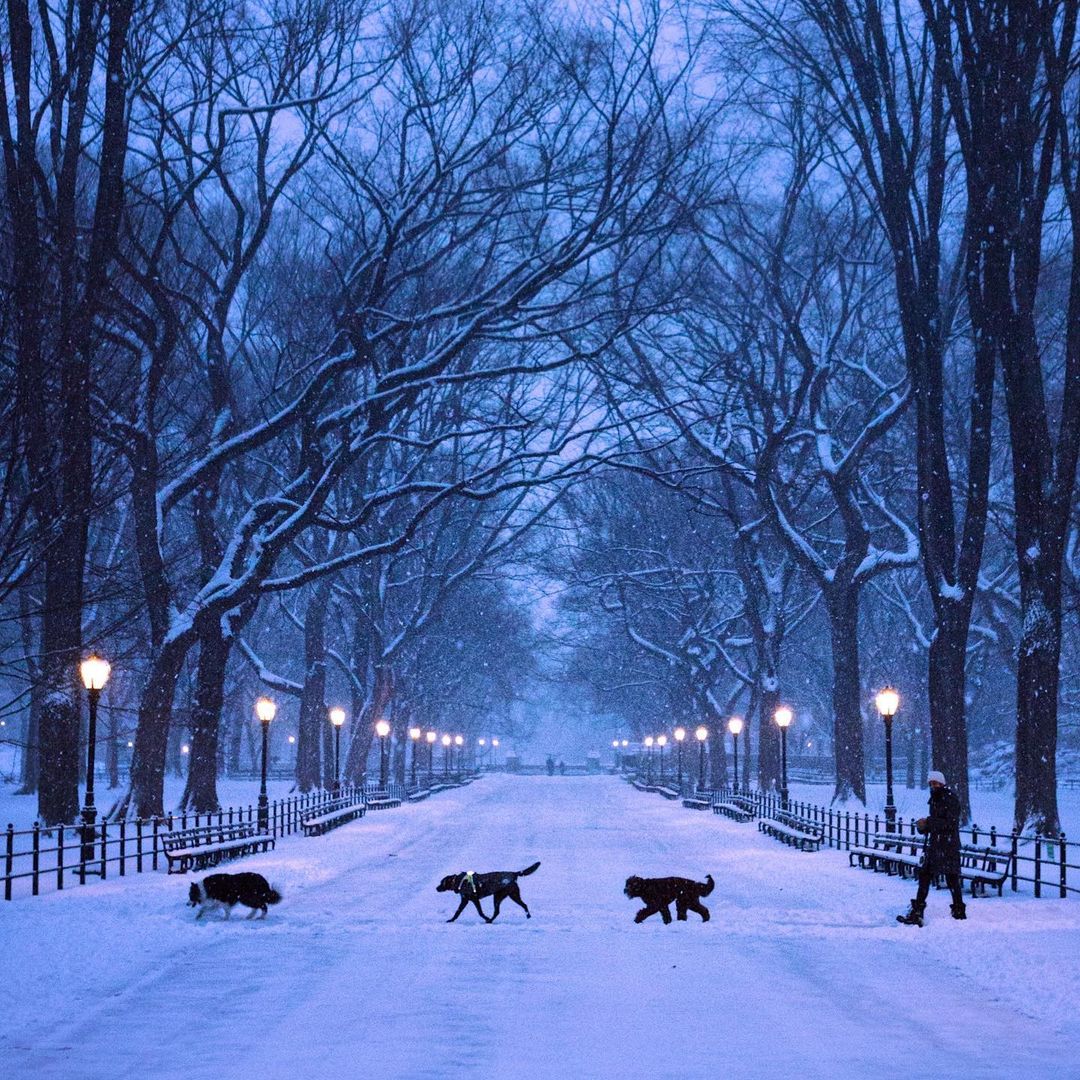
(642, 786)
(207, 845)
(667, 792)
(793, 832)
(382, 800)
(983, 867)
(697, 802)
(419, 794)
(331, 815)
(735, 811)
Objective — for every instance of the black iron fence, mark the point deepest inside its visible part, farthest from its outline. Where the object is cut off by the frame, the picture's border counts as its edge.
(46, 858)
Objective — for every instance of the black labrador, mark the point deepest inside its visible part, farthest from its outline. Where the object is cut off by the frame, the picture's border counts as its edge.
(472, 888)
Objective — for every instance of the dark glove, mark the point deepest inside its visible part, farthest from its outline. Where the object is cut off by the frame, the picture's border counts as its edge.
(922, 825)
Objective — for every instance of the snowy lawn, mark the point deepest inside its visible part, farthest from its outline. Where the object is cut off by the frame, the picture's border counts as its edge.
(801, 972)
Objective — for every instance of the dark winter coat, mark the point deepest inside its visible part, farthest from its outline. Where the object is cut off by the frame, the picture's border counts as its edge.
(943, 832)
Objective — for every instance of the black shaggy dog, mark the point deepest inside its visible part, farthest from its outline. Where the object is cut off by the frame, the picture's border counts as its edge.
(225, 891)
(658, 894)
(472, 888)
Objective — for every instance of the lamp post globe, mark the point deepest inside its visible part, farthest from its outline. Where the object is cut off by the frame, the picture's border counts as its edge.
(337, 718)
(702, 735)
(265, 710)
(95, 674)
(783, 717)
(680, 735)
(888, 702)
(430, 738)
(735, 726)
(415, 735)
(382, 729)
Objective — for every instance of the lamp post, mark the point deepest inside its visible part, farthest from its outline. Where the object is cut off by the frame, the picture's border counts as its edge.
(459, 742)
(615, 747)
(494, 747)
(680, 734)
(783, 717)
(265, 710)
(337, 718)
(648, 758)
(382, 729)
(735, 726)
(483, 752)
(414, 736)
(95, 674)
(661, 741)
(446, 741)
(702, 735)
(888, 701)
(430, 738)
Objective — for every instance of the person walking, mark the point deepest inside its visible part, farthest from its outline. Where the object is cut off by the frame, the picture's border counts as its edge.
(942, 858)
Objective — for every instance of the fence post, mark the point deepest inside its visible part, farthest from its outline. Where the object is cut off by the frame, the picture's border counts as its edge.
(1038, 865)
(1061, 856)
(138, 845)
(36, 855)
(1015, 859)
(104, 847)
(123, 845)
(9, 859)
(60, 859)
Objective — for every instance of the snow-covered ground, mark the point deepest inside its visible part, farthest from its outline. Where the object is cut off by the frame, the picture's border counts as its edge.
(801, 972)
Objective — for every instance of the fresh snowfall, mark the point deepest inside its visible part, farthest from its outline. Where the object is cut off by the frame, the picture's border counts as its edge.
(801, 972)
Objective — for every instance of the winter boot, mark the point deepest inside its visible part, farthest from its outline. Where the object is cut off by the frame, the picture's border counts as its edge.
(915, 916)
(959, 911)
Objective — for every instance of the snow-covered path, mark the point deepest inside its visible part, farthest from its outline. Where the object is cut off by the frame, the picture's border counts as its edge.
(802, 971)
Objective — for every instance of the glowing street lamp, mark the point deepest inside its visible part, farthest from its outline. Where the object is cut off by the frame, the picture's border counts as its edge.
(95, 674)
(783, 717)
(649, 740)
(430, 738)
(446, 743)
(702, 735)
(382, 729)
(459, 742)
(680, 734)
(414, 736)
(888, 701)
(337, 718)
(735, 726)
(265, 710)
(661, 741)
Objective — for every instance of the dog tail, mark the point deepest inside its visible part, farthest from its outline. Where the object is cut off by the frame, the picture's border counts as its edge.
(274, 895)
(529, 870)
(708, 885)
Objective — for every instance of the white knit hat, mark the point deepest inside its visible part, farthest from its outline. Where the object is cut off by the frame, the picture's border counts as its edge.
(933, 775)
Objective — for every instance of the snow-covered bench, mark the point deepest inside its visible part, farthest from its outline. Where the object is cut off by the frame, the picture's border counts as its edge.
(207, 845)
(733, 810)
(667, 792)
(697, 802)
(382, 800)
(982, 866)
(793, 832)
(332, 814)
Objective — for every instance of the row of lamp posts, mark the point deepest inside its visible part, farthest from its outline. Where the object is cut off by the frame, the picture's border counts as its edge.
(887, 701)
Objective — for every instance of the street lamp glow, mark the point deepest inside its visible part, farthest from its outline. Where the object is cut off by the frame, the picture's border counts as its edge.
(888, 701)
(337, 717)
(735, 725)
(431, 736)
(382, 729)
(626, 742)
(615, 743)
(649, 740)
(494, 742)
(459, 740)
(265, 709)
(95, 672)
(446, 740)
(783, 716)
(482, 742)
(292, 739)
(701, 734)
(661, 740)
(185, 749)
(414, 733)
(680, 734)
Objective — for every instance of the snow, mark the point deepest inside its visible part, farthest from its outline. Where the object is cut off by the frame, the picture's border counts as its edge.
(802, 970)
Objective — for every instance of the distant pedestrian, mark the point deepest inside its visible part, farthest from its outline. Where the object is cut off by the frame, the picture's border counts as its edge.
(942, 858)
(562, 767)
(550, 765)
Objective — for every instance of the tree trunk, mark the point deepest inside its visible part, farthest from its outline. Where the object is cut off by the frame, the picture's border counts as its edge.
(200, 790)
(147, 796)
(843, 608)
(313, 716)
(948, 723)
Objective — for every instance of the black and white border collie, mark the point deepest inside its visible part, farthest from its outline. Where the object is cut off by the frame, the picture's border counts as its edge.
(221, 892)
